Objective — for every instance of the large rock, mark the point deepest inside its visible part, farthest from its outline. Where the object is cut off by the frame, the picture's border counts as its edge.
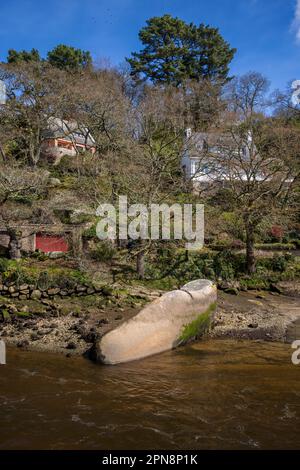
(164, 324)
(36, 294)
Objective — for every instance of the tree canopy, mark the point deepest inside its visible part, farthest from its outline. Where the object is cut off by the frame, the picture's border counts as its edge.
(68, 57)
(61, 56)
(175, 51)
(15, 57)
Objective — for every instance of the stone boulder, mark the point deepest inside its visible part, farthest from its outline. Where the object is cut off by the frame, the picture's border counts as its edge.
(169, 321)
(36, 294)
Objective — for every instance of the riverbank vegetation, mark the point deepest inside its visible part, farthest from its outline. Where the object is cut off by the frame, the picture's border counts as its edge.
(138, 114)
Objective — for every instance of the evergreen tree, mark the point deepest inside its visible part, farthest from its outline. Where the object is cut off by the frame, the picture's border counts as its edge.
(175, 51)
(15, 57)
(68, 57)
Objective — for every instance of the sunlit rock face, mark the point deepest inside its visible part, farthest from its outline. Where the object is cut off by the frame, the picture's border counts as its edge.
(174, 319)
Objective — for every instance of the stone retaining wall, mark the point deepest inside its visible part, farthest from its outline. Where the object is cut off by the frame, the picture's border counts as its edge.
(26, 291)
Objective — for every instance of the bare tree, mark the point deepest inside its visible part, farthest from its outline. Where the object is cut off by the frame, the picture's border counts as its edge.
(16, 183)
(255, 161)
(35, 92)
(150, 172)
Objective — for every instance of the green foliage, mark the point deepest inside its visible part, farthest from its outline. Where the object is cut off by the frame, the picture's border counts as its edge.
(90, 232)
(103, 252)
(175, 268)
(63, 215)
(5, 313)
(23, 272)
(39, 255)
(279, 263)
(24, 314)
(15, 57)
(255, 282)
(70, 58)
(167, 283)
(62, 57)
(3, 265)
(274, 246)
(221, 245)
(227, 264)
(17, 274)
(175, 51)
(107, 291)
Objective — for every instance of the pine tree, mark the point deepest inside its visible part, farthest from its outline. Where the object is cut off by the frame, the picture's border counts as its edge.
(175, 51)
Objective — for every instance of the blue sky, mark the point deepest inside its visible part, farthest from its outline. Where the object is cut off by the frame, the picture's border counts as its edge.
(265, 32)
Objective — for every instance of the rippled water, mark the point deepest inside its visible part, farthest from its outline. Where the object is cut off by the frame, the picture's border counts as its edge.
(212, 395)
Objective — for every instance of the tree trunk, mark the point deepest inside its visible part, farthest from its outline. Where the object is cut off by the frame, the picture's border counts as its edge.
(250, 258)
(2, 153)
(77, 243)
(140, 264)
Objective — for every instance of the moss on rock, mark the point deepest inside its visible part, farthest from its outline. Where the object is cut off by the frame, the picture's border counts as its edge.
(199, 326)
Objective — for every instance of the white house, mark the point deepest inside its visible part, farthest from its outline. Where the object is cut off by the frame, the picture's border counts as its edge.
(204, 152)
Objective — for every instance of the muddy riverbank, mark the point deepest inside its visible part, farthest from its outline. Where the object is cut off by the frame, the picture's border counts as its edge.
(257, 315)
(62, 327)
(69, 334)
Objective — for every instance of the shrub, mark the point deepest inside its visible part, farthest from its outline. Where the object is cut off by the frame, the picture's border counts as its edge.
(228, 265)
(255, 283)
(103, 251)
(3, 265)
(276, 233)
(18, 275)
(39, 255)
(90, 232)
(279, 263)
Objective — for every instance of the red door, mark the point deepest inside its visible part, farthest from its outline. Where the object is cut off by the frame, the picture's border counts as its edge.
(49, 243)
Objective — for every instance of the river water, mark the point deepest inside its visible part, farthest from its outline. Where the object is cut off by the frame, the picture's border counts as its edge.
(210, 395)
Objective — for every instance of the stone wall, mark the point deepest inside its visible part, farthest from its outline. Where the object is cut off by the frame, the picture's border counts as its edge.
(28, 239)
(27, 291)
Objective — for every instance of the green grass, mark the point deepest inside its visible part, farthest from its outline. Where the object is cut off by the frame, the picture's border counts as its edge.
(166, 283)
(5, 313)
(27, 271)
(24, 314)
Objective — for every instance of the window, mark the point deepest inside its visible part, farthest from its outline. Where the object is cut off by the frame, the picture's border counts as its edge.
(194, 168)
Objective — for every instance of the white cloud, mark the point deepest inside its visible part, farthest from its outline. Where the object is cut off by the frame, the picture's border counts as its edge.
(296, 22)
